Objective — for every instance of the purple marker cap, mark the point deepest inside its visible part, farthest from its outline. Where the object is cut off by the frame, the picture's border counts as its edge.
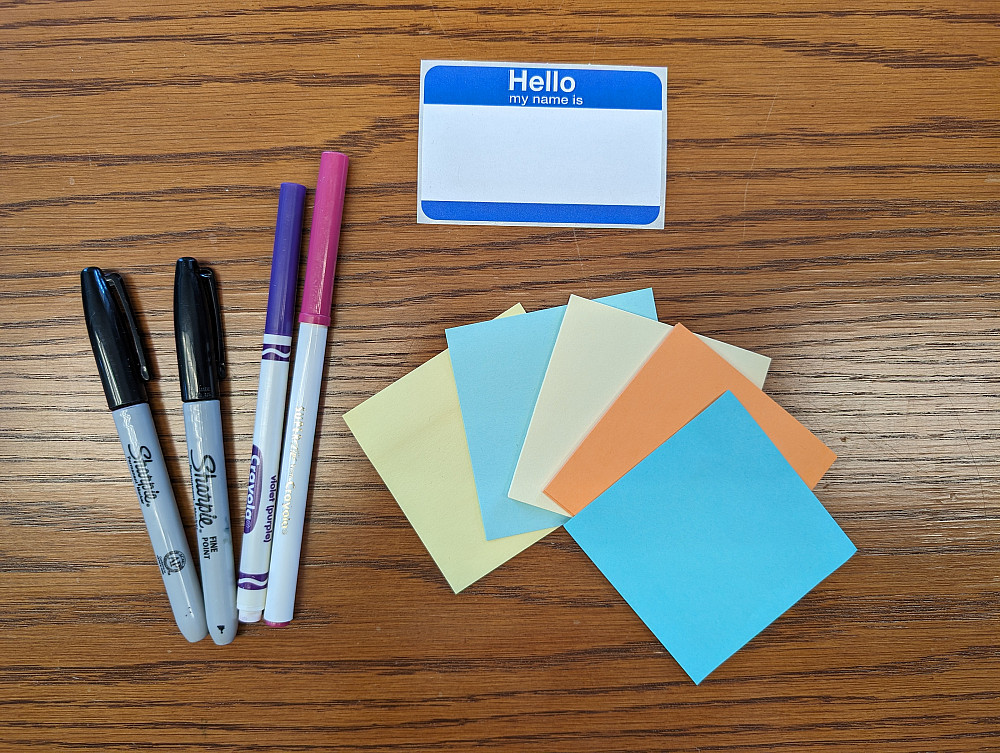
(285, 261)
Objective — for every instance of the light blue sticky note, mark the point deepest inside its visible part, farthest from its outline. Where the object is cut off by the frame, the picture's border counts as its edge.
(499, 366)
(711, 537)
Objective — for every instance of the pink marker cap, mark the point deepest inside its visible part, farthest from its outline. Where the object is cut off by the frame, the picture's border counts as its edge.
(328, 208)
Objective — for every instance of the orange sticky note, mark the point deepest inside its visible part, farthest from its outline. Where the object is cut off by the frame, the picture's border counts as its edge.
(682, 377)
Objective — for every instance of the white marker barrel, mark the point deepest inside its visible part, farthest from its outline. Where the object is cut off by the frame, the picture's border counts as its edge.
(293, 481)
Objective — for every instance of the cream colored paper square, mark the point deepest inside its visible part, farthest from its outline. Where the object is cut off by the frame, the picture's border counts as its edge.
(413, 434)
(598, 351)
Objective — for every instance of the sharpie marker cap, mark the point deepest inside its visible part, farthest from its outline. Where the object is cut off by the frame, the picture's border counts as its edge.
(201, 357)
(285, 260)
(328, 209)
(114, 337)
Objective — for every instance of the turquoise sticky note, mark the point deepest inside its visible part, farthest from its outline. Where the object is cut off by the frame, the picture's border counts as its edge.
(499, 366)
(711, 537)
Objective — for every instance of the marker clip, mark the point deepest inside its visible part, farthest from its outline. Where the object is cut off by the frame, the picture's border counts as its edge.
(208, 282)
(116, 283)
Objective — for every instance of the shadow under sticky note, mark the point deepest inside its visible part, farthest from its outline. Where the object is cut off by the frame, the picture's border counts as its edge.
(597, 352)
(680, 379)
(499, 366)
(412, 433)
(712, 537)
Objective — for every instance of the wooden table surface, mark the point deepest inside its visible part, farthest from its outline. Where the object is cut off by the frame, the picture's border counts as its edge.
(832, 201)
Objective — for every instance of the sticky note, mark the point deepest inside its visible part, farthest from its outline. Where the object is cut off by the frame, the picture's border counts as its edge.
(679, 380)
(597, 352)
(712, 537)
(541, 144)
(498, 368)
(412, 433)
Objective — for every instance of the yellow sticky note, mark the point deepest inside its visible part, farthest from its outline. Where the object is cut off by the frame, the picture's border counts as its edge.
(413, 434)
(597, 352)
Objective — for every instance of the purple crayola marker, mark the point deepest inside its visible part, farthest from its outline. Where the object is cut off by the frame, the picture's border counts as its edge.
(265, 455)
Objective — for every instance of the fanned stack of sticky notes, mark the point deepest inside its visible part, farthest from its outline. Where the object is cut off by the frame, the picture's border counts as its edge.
(655, 448)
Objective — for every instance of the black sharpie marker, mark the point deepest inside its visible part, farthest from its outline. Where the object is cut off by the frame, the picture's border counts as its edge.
(202, 364)
(122, 366)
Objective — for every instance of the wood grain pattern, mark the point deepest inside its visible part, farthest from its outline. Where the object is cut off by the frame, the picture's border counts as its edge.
(832, 202)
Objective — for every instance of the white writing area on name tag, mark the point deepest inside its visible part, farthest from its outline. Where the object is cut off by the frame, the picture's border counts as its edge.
(551, 145)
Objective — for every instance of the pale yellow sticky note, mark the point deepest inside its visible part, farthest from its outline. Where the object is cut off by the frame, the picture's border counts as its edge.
(413, 434)
(598, 351)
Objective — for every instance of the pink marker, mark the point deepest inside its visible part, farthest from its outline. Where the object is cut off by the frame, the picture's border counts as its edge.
(307, 377)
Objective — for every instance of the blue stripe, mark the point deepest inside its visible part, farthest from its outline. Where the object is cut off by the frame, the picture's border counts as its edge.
(551, 86)
(497, 211)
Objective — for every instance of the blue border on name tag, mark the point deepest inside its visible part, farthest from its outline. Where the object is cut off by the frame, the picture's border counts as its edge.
(497, 211)
(522, 86)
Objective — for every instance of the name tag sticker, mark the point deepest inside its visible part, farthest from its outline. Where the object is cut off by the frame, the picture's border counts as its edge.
(542, 144)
